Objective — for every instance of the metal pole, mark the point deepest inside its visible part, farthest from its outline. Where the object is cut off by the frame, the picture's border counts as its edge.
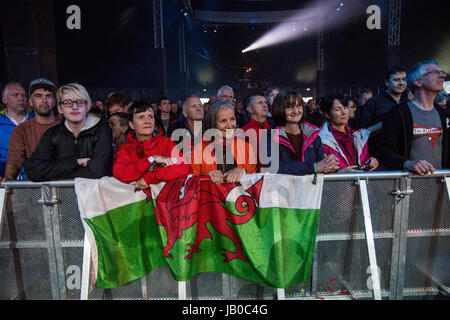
(447, 184)
(403, 236)
(375, 277)
(2, 209)
(86, 268)
(181, 290)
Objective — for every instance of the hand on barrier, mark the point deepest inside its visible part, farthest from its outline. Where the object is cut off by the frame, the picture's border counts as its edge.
(329, 164)
(351, 169)
(373, 164)
(420, 167)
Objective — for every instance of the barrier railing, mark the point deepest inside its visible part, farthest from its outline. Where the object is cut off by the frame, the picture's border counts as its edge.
(383, 235)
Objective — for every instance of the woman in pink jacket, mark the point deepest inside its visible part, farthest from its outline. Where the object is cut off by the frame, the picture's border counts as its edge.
(348, 145)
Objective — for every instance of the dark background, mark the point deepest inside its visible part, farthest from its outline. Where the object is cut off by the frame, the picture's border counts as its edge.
(115, 47)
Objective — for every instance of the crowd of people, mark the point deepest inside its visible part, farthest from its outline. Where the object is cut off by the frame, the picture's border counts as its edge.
(60, 133)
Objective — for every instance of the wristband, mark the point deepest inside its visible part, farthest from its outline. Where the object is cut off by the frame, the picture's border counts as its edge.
(404, 165)
(152, 167)
(315, 174)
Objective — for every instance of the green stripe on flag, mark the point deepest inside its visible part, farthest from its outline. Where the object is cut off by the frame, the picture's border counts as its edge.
(278, 242)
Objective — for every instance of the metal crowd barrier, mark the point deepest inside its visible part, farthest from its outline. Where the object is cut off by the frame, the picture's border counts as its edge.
(383, 235)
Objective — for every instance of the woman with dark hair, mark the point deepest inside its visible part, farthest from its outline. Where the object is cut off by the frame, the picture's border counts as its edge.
(226, 157)
(147, 158)
(300, 148)
(348, 145)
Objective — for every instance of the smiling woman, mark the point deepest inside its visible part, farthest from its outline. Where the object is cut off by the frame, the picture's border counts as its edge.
(299, 144)
(147, 158)
(226, 157)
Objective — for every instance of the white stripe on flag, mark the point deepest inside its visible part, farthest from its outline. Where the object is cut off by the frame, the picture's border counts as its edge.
(96, 197)
(287, 191)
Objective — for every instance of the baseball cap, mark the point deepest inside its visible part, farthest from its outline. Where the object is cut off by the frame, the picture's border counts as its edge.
(42, 83)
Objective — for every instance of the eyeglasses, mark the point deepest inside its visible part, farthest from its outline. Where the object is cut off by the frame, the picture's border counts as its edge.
(438, 73)
(69, 103)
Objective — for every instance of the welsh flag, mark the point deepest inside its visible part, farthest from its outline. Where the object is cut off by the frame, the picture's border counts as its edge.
(262, 229)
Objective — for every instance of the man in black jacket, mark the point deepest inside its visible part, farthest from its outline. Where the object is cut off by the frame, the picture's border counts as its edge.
(415, 134)
(374, 109)
(164, 117)
(80, 147)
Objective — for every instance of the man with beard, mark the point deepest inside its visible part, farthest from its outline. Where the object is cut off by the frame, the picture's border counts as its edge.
(15, 99)
(25, 137)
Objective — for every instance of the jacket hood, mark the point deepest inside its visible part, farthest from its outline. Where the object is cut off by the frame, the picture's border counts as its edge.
(92, 120)
(360, 139)
(309, 131)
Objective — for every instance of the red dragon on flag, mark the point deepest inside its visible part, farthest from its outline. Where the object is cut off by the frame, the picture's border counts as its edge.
(197, 200)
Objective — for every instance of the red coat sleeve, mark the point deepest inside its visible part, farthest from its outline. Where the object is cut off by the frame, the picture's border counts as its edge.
(167, 148)
(126, 168)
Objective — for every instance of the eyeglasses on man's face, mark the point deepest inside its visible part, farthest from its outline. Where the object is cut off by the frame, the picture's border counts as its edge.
(69, 103)
(438, 73)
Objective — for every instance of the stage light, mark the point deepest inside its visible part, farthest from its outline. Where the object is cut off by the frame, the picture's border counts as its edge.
(308, 18)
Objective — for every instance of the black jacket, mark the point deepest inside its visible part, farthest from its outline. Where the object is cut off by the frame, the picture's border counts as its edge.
(56, 155)
(397, 134)
(159, 124)
(373, 110)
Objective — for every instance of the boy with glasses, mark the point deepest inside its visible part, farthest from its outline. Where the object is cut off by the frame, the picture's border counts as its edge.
(81, 146)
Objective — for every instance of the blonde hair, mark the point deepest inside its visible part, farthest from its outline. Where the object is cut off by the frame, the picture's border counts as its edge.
(77, 91)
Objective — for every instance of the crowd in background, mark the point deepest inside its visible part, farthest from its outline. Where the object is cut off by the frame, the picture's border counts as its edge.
(51, 133)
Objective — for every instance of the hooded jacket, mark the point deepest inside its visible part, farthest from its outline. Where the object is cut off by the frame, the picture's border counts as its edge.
(312, 151)
(56, 155)
(331, 146)
(131, 162)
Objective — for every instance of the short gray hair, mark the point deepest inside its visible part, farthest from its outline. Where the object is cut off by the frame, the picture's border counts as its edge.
(416, 71)
(10, 84)
(222, 89)
(184, 106)
(213, 110)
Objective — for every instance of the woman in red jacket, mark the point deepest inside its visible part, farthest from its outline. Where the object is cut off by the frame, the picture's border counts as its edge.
(147, 158)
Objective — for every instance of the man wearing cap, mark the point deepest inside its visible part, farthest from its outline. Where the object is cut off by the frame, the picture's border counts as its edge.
(15, 99)
(25, 137)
